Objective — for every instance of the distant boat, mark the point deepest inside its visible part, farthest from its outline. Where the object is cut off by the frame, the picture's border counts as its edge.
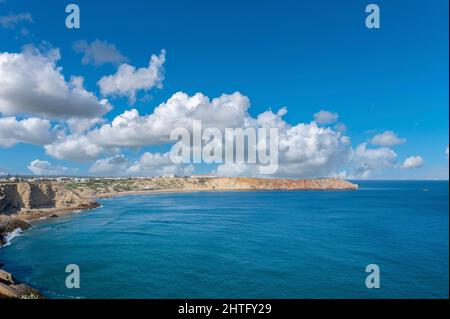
(425, 190)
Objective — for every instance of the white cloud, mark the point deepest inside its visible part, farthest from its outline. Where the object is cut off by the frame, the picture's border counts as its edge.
(156, 164)
(325, 117)
(76, 148)
(413, 162)
(236, 170)
(99, 52)
(112, 165)
(132, 130)
(32, 84)
(81, 125)
(128, 80)
(12, 20)
(446, 152)
(38, 167)
(364, 161)
(31, 130)
(305, 150)
(387, 138)
(149, 164)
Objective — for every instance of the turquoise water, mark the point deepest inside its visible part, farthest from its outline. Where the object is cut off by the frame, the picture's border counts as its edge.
(268, 244)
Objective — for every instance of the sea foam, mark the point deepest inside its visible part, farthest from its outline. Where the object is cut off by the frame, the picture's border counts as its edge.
(9, 236)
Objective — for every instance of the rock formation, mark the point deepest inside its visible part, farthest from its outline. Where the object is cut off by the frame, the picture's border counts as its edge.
(8, 225)
(24, 197)
(11, 288)
(24, 201)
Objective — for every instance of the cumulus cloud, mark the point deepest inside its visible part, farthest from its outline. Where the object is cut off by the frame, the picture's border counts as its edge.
(128, 80)
(12, 20)
(111, 165)
(76, 148)
(32, 130)
(325, 117)
(99, 52)
(38, 167)
(156, 164)
(32, 84)
(387, 138)
(78, 126)
(133, 130)
(364, 161)
(305, 150)
(413, 162)
(149, 164)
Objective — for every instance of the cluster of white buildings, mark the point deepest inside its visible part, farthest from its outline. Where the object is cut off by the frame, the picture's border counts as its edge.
(72, 179)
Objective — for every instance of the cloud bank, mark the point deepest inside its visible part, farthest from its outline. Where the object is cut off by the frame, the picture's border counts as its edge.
(39, 106)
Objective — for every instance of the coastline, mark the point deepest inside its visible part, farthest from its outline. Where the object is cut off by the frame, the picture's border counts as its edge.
(12, 288)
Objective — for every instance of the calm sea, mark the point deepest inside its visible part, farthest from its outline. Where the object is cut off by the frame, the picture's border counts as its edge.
(267, 244)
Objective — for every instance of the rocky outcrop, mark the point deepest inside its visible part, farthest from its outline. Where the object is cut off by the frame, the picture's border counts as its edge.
(8, 225)
(24, 201)
(13, 289)
(29, 200)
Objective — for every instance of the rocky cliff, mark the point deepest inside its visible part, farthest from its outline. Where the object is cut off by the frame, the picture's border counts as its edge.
(24, 201)
(26, 198)
(11, 288)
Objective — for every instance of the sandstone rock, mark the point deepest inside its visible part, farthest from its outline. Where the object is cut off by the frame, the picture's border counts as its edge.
(6, 277)
(30, 200)
(9, 224)
(10, 288)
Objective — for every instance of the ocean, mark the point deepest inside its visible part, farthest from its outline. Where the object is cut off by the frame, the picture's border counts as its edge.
(250, 244)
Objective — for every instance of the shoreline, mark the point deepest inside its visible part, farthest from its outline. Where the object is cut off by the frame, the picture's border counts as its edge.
(12, 288)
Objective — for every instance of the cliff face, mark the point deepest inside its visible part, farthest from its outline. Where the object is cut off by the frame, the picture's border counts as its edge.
(110, 187)
(23, 201)
(9, 224)
(281, 184)
(25, 197)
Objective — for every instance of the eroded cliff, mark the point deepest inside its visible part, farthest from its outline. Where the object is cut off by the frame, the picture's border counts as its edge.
(24, 201)
(26, 198)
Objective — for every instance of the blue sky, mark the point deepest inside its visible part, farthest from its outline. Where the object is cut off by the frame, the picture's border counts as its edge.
(306, 56)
